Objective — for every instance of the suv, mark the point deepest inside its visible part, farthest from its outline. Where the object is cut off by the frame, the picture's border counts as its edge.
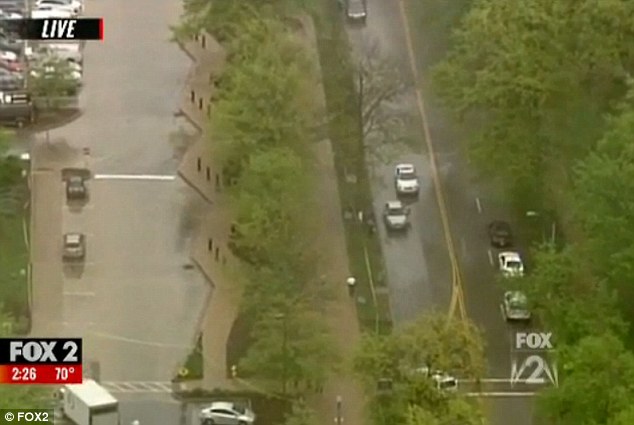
(395, 215)
(226, 413)
(76, 188)
(74, 246)
(356, 10)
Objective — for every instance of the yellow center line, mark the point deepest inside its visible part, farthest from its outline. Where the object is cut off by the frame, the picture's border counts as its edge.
(457, 300)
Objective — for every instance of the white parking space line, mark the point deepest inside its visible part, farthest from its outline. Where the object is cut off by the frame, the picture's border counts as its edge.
(478, 205)
(490, 254)
(502, 394)
(134, 177)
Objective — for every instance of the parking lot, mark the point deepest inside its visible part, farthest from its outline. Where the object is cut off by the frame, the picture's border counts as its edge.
(134, 299)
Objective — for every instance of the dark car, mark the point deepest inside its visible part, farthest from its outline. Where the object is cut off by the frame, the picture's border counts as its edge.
(76, 188)
(500, 234)
(16, 108)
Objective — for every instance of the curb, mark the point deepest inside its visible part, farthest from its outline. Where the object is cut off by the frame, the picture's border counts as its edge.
(194, 186)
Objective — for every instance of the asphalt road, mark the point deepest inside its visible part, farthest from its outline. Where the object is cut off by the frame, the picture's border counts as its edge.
(135, 301)
(417, 264)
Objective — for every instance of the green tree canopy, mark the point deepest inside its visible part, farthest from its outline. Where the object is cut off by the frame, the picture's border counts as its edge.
(596, 383)
(570, 303)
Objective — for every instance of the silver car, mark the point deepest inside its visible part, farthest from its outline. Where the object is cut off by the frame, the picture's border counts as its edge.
(515, 306)
(226, 413)
(395, 215)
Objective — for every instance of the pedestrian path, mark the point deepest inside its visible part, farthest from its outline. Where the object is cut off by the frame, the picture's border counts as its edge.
(138, 387)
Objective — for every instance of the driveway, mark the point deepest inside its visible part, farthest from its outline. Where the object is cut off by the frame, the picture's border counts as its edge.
(136, 301)
(417, 265)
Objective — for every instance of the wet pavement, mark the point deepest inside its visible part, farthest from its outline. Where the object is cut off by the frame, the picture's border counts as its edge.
(418, 267)
(135, 300)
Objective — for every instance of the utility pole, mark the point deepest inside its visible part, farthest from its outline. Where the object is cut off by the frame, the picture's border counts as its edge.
(282, 317)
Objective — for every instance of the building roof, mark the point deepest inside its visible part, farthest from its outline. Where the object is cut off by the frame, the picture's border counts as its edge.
(91, 393)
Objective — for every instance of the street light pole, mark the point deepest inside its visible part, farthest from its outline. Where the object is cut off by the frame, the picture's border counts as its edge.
(282, 317)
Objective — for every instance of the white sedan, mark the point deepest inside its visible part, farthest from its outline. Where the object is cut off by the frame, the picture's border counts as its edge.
(47, 12)
(511, 264)
(405, 179)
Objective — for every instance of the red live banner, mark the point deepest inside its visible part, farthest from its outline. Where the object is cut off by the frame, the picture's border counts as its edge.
(40, 374)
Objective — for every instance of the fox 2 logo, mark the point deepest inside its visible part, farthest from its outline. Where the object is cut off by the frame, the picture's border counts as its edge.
(538, 369)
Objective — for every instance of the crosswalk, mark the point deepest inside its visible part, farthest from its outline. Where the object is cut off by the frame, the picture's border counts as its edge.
(484, 389)
(138, 387)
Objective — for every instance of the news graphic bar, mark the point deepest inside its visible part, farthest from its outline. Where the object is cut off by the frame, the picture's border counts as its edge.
(56, 29)
(26, 351)
(41, 374)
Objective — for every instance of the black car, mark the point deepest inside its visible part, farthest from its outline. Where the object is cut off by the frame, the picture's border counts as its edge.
(500, 234)
(76, 188)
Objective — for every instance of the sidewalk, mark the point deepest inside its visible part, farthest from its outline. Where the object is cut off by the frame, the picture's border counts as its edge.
(216, 262)
(342, 315)
(209, 247)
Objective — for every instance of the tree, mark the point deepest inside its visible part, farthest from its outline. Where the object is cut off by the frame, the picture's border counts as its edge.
(291, 345)
(301, 414)
(432, 341)
(270, 202)
(527, 75)
(597, 383)
(264, 97)
(570, 303)
(54, 78)
(380, 81)
(459, 411)
(604, 201)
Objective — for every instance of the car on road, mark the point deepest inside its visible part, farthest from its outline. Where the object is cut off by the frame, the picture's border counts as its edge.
(395, 215)
(226, 413)
(500, 234)
(76, 188)
(356, 10)
(511, 264)
(443, 380)
(406, 180)
(74, 246)
(515, 307)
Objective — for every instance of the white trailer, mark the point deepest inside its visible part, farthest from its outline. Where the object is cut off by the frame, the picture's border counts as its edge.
(89, 403)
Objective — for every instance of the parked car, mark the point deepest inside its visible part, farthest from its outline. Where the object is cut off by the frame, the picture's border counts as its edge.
(13, 66)
(47, 11)
(10, 15)
(73, 6)
(395, 215)
(10, 80)
(511, 264)
(9, 56)
(13, 6)
(10, 45)
(500, 234)
(70, 52)
(226, 413)
(405, 179)
(356, 10)
(16, 108)
(443, 380)
(515, 306)
(76, 188)
(74, 246)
